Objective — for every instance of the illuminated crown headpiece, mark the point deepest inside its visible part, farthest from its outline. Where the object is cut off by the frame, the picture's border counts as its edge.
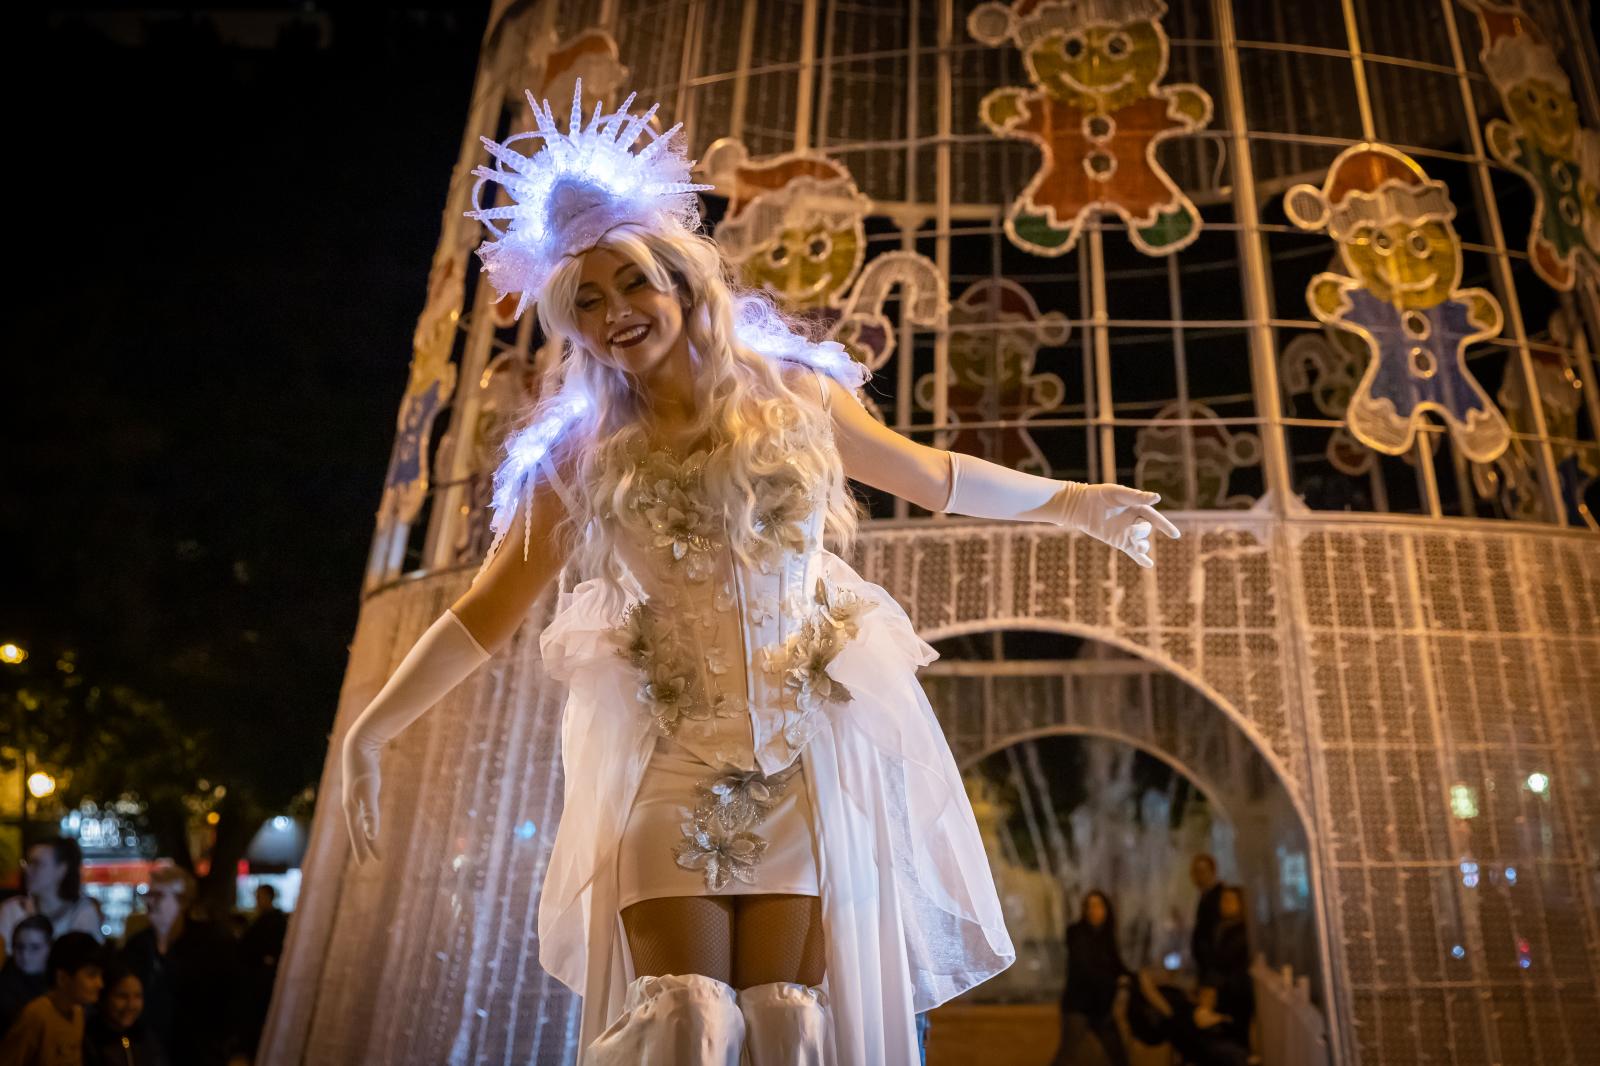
(579, 186)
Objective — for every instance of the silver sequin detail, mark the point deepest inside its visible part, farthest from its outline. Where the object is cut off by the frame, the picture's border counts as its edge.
(719, 836)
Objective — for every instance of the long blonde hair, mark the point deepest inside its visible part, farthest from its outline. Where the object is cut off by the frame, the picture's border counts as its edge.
(758, 426)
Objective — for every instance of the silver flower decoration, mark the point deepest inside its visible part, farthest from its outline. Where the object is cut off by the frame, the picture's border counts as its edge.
(839, 607)
(667, 684)
(807, 674)
(744, 797)
(723, 856)
(780, 514)
(668, 499)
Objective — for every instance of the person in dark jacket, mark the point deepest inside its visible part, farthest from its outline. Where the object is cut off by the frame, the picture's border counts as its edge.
(116, 1034)
(1203, 872)
(1233, 994)
(26, 973)
(259, 949)
(1094, 970)
(190, 972)
(1166, 1015)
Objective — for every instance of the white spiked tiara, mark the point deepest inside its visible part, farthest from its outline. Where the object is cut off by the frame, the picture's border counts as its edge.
(580, 185)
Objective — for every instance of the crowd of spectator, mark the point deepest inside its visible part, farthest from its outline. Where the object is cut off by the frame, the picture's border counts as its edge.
(183, 987)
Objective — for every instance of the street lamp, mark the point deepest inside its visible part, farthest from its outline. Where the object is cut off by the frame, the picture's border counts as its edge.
(41, 784)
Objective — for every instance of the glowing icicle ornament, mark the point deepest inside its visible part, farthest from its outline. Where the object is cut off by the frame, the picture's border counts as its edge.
(524, 450)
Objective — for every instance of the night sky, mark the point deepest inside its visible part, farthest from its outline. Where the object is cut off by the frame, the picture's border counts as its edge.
(228, 224)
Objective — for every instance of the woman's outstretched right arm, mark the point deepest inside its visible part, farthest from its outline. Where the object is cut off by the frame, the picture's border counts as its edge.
(459, 641)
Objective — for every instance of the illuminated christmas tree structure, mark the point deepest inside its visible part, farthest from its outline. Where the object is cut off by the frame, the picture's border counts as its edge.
(1323, 275)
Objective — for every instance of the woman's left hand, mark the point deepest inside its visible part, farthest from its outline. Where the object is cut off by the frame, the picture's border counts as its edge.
(1118, 516)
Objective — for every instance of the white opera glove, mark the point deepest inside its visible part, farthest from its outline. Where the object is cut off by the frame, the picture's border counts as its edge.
(439, 661)
(1118, 516)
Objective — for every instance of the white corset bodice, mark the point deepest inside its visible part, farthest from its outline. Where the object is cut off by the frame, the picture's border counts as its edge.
(731, 657)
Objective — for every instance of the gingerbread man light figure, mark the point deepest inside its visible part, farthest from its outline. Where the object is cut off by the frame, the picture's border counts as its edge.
(1543, 142)
(1097, 113)
(795, 226)
(1214, 449)
(1392, 223)
(996, 331)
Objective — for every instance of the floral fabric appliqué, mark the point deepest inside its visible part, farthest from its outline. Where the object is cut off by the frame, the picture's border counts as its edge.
(719, 837)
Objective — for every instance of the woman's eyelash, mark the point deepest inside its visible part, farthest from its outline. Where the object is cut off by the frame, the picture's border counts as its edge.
(627, 286)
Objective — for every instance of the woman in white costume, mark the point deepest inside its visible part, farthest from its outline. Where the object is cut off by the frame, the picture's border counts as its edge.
(766, 854)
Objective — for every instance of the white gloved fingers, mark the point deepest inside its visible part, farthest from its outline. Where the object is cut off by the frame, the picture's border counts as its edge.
(360, 802)
(359, 797)
(1160, 521)
(1139, 553)
(353, 818)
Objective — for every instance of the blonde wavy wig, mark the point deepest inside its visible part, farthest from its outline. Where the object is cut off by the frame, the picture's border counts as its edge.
(756, 426)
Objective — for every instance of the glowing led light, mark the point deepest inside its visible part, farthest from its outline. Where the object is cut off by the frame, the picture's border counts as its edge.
(1172, 960)
(1458, 952)
(1538, 782)
(579, 185)
(1463, 801)
(759, 327)
(1469, 874)
(280, 823)
(12, 654)
(40, 784)
(1511, 875)
(212, 817)
(526, 831)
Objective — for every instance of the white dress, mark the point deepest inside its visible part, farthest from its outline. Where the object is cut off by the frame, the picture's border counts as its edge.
(797, 679)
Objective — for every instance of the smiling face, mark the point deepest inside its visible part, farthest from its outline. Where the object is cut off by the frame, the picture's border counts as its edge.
(1412, 265)
(1549, 115)
(124, 1002)
(1099, 67)
(82, 985)
(621, 317)
(805, 267)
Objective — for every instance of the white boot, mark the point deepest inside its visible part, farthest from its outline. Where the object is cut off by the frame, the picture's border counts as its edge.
(673, 1020)
(785, 1024)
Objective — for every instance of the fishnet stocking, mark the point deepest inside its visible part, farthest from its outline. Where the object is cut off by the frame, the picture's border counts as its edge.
(777, 938)
(681, 935)
(743, 940)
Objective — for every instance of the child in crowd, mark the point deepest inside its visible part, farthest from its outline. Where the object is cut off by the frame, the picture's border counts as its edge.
(49, 1031)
